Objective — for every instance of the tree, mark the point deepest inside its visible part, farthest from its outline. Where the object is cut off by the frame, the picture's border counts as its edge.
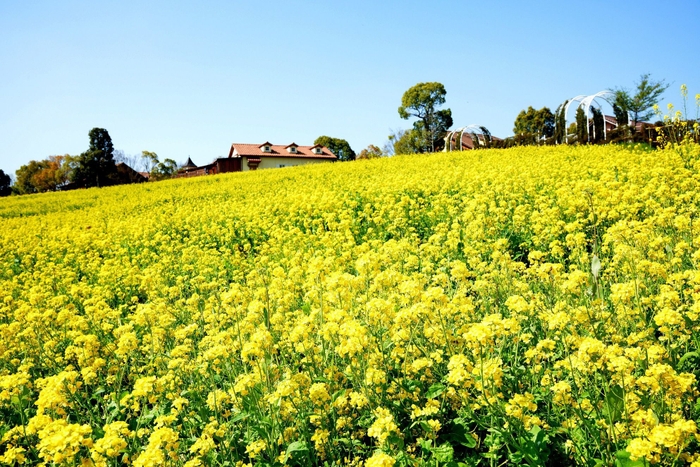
(132, 160)
(25, 177)
(598, 125)
(621, 116)
(370, 152)
(338, 146)
(46, 175)
(581, 126)
(96, 166)
(421, 101)
(534, 125)
(560, 124)
(56, 173)
(409, 142)
(394, 136)
(163, 170)
(641, 104)
(149, 160)
(158, 170)
(5, 182)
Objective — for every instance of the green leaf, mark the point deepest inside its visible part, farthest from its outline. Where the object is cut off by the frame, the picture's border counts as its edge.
(397, 440)
(297, 446)
(623, 460)
(338, 394)
(240, 416)
(614, 404)
(443, 453)
(435, 390)
(425, 444)
(294, 447)
(538, 436)
(689, 361)
(460, 433)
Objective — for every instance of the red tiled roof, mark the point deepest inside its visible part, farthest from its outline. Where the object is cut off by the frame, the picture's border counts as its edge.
(279, 150)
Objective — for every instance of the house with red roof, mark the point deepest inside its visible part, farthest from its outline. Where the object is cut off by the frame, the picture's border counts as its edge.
(269, 156)
(244, 157)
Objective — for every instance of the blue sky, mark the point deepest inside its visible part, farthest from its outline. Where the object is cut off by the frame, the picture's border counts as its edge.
(190, 78)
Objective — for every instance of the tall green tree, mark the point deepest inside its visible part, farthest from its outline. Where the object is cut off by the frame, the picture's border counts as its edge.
(96, 167)
(338, 146)
(422, 101)
(5, 184)
(640, 105)
(534, 125)
(598, 125)
(560, 124)
(581, 126)
(621, 115)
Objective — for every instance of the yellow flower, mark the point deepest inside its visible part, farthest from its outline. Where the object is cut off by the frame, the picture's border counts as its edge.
(383, 426)
(380, 459)
(255, 448)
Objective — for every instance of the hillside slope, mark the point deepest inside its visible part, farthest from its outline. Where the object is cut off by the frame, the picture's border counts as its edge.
(531, 305)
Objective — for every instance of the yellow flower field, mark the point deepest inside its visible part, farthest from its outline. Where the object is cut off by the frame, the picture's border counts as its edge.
(530, 306)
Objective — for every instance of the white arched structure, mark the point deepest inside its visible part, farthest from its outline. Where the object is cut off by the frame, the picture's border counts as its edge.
(585, 103)
(473, 130)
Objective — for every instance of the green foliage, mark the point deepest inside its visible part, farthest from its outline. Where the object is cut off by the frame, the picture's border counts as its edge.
(163, 170)
(149, 160)
(581, 126)
(5, 182)
(641, 104)
(25, 175)
(408, 141)
(678, 132)
(370, 152)
(96, 167)
(338, 146)
(621, 115)
(534, 125)
(598, 125)
(421, 101)
(560, 124)
(158, 170)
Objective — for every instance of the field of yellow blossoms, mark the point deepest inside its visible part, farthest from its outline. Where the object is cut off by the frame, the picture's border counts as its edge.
(530, 306)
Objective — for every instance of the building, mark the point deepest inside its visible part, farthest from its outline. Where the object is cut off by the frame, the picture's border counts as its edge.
(245, 157)
(126, 174)
(269, 156)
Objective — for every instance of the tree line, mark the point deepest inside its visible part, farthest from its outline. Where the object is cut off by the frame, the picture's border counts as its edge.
(531, 126)
(629, 107)
(97, 167)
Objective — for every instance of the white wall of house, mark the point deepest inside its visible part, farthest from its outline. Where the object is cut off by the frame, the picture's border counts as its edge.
(277, 162)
